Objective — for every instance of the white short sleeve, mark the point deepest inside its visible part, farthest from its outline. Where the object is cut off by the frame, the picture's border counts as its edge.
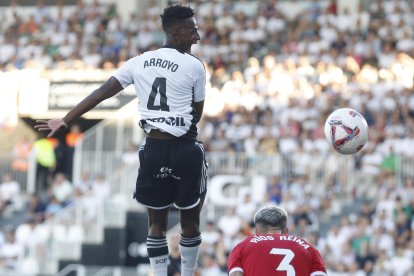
(200, 87)
(124, 74)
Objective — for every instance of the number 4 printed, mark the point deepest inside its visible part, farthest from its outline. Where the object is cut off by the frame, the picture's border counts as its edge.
(159, 86)
(285, 263)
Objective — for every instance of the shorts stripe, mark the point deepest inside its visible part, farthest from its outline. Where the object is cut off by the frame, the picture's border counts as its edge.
(188, 207)
(156, 208)
(203, 184)
(203, 180)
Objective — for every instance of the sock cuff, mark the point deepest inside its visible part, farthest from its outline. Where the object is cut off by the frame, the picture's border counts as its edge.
(190, 242)
(157, 246)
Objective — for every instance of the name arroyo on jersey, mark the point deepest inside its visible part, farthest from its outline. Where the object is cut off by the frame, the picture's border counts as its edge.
(158, 62)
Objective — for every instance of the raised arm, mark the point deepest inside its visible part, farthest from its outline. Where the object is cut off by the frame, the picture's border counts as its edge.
(108, 89)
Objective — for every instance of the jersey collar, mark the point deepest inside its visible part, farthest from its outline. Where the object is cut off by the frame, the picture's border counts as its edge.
(172, 47)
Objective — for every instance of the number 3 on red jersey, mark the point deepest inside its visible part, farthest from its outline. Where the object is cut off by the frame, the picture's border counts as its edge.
(285, 263)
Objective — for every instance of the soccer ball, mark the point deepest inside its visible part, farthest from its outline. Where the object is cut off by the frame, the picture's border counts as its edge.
(346, 131)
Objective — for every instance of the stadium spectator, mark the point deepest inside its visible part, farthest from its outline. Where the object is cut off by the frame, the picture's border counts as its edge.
(11, 251)
(210, 266)
(230, 224)
(246, 209)
(84, 184)
(21, 152)
(74, 136)
(100, 187)
(210, 237)
(53, 207)
(36, 207)
(46, 162)
(61, 189)
(130, 156)
(9, 193)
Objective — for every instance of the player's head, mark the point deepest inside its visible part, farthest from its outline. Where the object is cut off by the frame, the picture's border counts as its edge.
(271, 218)
(180, 27)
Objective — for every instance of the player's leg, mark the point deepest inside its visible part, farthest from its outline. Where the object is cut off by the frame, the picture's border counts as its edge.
(190, 239)
(189, 200)
(155, 192)
(157, 246)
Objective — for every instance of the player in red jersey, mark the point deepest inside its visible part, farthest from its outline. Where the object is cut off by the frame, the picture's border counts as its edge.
(272, 251)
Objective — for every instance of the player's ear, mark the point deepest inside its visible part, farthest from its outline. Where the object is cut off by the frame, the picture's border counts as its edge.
(175, 36)
(286, 231)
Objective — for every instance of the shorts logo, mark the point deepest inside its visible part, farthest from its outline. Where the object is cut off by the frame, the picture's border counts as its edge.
(165, 170)
(165, 173)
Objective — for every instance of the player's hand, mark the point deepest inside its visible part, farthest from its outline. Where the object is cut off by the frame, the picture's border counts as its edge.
(50, 125)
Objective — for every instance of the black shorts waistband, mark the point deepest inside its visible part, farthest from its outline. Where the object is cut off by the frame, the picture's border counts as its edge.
(177, 140)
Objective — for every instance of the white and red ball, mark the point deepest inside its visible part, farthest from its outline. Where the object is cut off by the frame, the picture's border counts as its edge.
(346, 130)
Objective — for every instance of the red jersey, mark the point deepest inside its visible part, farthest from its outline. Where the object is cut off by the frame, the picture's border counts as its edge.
(276, 254)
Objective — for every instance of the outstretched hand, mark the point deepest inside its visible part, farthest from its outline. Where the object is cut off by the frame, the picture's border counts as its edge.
(50, 125)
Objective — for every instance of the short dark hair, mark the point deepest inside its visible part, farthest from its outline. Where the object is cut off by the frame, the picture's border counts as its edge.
(271, 216)
(175, 14)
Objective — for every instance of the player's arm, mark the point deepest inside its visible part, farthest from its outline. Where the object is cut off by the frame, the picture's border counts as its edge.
(198, 110)
(199, 89)
(108, 89)
(234, 262)
(318, 265)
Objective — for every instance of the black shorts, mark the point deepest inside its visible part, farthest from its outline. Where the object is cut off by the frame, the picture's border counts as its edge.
(171, 172)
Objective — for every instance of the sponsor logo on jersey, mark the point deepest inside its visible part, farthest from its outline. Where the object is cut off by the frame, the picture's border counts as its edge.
(171, 121)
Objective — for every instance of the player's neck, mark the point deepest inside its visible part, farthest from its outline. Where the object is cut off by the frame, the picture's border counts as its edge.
(168, 43)
(274, 232)
(270, 230)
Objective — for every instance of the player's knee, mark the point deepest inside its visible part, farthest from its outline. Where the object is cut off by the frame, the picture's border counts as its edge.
(190, 230)
(157, 231)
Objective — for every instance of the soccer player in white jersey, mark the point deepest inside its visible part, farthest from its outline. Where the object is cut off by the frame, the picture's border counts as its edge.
(170, 86)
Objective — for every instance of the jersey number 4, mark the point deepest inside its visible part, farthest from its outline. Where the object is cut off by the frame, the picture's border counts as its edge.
(285, 263)
(158, 86)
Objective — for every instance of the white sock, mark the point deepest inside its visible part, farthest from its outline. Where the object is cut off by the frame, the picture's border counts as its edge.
(189, 249)
(158, 254)
(159, 265)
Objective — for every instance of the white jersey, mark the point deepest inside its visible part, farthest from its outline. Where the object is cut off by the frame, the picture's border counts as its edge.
(167, 82)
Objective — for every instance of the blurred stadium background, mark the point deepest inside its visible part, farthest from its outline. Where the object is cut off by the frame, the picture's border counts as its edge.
(276, 69)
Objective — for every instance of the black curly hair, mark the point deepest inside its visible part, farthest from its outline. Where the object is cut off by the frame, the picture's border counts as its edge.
(175, 14)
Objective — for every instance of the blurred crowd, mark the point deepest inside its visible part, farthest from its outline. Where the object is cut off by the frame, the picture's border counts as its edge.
(274, 74)
(16, 242)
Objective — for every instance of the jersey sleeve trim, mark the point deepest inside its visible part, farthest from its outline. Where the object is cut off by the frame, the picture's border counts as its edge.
(236, 269)
(119, 79)
(318, 273)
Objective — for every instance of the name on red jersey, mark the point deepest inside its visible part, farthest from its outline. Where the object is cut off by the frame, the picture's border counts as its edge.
(257, 239)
